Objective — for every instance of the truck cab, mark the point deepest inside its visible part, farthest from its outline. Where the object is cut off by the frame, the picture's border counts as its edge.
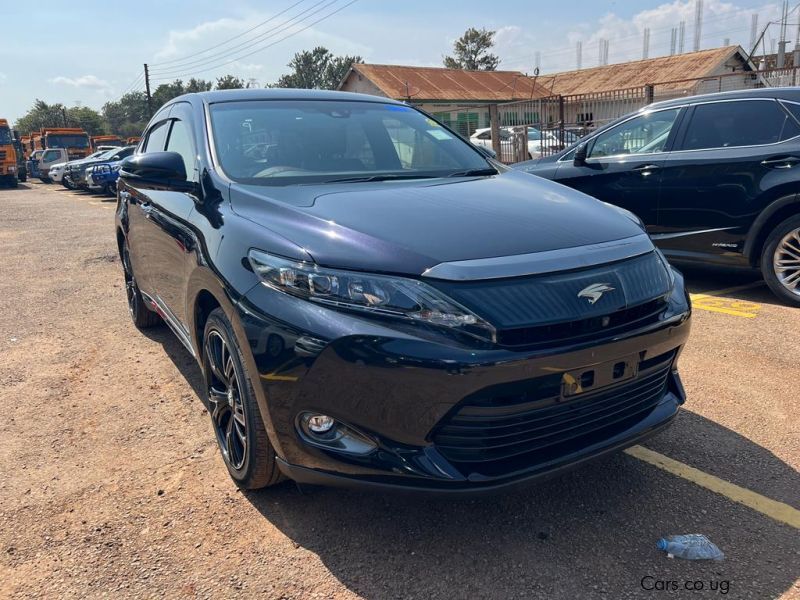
(49, 158)
(106, 140)
(8, 156)
(75, 141)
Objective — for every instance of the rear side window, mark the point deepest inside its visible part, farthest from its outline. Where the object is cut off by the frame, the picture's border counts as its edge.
(741, 123)
(157, 137)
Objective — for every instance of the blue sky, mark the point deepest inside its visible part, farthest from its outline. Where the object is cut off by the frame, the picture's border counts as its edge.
(89, 51)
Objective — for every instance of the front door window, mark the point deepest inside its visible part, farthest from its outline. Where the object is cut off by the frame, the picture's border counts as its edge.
(645, 134)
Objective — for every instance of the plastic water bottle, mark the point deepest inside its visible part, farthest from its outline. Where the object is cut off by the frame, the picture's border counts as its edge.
(693, 546)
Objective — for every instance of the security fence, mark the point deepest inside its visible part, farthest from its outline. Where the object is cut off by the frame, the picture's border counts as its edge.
(541, 126)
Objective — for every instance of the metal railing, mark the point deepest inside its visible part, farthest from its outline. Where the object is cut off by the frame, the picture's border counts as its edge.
(542, 126)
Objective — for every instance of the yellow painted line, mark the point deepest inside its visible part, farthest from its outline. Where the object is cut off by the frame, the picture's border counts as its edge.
(766, 506)
(273, 377)
(712, 301)
(735, 308)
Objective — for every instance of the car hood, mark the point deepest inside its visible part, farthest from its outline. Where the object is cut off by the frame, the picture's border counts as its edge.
(410, 226)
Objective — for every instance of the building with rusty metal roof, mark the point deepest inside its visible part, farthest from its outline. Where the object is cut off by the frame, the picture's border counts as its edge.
(678, 73)
(455, 96)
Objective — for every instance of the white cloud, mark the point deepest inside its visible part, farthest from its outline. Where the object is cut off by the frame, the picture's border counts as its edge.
(84, 81)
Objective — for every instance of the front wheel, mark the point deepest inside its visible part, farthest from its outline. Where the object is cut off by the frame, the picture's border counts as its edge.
(235, 416)
(23, 177)
(780, 261)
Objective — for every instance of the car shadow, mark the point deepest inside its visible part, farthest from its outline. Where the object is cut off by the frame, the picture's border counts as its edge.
(589, 532)
(180, 357)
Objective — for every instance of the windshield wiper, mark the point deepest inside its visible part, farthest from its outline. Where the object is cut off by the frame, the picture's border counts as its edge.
(384, 177)
(474, 173)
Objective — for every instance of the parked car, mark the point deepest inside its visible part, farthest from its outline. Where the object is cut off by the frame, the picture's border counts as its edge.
(715, 178)
(56, 173)
(77, 170)
(66, 180)
(433, 321)
(103, 178)
(538, 141)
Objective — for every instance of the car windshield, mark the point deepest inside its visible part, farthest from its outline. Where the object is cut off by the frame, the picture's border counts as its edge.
(294, 142)
(67, 141)
(5, 135)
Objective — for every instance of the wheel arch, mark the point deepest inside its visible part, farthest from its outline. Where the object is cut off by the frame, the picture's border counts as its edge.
(775, 213)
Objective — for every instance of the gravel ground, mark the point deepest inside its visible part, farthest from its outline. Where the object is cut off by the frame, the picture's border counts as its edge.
(111, 485)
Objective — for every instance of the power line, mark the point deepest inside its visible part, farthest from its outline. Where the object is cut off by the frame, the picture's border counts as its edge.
(272, 18)
(169, 71)
(249, 43)
(278, 41)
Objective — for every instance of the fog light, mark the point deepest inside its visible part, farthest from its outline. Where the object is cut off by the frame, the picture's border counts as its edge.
(320, 424)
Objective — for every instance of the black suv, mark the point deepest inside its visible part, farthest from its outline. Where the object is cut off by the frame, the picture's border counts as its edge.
(374, 302)
(715, 178)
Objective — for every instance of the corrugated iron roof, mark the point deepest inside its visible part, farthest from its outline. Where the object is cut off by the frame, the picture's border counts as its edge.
(637, 73)
(440, 84)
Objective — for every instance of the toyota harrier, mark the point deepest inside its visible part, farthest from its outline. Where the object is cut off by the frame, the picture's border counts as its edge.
(374, 302)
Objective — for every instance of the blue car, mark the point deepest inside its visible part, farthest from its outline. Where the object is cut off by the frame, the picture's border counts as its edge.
(103, 178)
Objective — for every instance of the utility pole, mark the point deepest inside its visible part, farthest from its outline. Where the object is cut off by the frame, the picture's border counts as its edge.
(673, 41)
(681, 35)
(579, 55)
(646, 43)
(147, 89)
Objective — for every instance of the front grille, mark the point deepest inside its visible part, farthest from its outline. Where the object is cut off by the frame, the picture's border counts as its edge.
(574, 332)
(552, 309)
(510, 428)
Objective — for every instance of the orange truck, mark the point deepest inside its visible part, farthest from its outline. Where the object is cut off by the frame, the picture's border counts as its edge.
(8, 156)
(132, 141)
(25, 140)
(75, 141)
(106, 140)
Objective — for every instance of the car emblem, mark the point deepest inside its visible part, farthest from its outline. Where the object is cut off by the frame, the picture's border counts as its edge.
(594, 292)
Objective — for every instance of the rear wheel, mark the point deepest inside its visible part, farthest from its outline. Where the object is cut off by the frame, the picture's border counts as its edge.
(235, 416)
(142, 316)
(23, 177)
(780, 261)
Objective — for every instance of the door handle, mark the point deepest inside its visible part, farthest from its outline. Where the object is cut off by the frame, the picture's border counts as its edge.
(645, 168)
(781, 162)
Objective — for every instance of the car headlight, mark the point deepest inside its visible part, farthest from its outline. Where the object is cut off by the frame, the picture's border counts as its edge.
(380, 295)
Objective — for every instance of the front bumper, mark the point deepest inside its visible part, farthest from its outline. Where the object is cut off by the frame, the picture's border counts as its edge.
(403, 390)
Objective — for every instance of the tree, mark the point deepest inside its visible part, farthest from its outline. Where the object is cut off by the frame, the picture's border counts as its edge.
(87, 119)
(317, 69)
(198, 85)
(166, 92)
(127, 116)
(41, 115)
(471, 51)
(230, 82)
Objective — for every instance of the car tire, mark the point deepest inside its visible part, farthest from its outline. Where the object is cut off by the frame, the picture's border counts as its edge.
(111, 189)
(45, 179)
(231, 402)
(783, 246)
(67, 182)
(23, 178)
(141, 315)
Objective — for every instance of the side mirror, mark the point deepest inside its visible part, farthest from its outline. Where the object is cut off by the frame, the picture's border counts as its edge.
(156, 170)
(579, 159)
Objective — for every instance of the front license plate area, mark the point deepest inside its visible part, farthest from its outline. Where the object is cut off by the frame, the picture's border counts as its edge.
(580, 381)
